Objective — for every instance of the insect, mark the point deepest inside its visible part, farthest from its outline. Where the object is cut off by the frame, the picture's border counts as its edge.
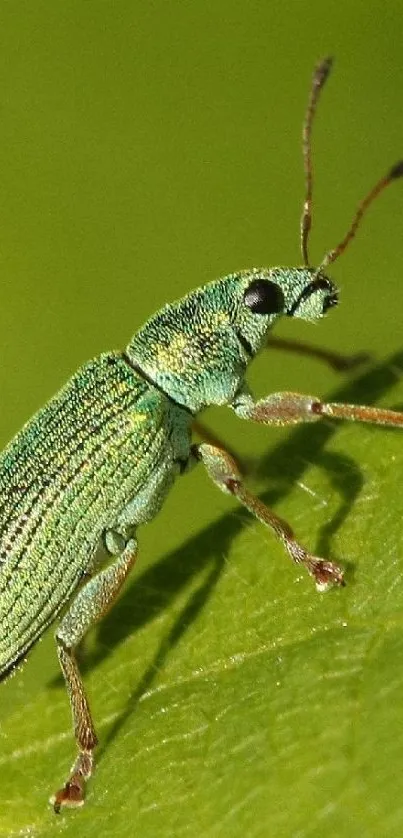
(99, 459)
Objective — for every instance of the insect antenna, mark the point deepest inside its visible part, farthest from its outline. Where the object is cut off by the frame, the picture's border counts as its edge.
(320, 75)
(395, 172)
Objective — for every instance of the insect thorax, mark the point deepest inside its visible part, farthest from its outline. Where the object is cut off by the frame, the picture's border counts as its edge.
(197, 349)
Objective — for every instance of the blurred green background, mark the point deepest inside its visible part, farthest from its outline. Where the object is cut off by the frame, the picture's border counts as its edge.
(146, 148)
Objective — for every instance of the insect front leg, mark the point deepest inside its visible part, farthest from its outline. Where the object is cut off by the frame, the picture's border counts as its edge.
(293, 408)
(335, 360)
(90, 604)
(223, 470)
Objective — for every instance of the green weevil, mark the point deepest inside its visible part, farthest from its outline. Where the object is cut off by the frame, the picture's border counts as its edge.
(99, 459)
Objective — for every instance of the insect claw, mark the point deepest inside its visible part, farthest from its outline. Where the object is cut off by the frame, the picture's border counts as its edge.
(326, 574)
(71, 795)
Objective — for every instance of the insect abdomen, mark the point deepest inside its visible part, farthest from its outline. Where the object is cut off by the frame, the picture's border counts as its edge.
(63, 480)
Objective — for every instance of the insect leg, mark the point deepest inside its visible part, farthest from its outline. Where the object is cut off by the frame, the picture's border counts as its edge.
(224, 472)
(245, 466)
(293, 408)
(335, 360)
(90, 604)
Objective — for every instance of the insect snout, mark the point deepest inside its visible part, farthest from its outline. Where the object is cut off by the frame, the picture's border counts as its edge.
(315, 298)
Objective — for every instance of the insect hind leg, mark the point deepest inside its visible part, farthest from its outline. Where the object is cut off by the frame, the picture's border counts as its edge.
(90, 604)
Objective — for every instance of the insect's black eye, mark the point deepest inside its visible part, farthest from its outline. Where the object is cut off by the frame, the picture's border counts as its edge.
(264, 297)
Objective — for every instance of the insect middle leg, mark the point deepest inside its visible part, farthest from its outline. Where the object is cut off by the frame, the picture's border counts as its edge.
(90, 604)
(286, 409)
(223, 470)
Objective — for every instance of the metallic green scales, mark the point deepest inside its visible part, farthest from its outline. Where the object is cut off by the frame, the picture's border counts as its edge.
(64, 479)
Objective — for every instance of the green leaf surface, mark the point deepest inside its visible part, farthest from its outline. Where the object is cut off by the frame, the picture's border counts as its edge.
(231, 698)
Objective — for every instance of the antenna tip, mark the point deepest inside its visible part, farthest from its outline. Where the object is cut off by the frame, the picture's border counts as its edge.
(396, 171)
(324, 67)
